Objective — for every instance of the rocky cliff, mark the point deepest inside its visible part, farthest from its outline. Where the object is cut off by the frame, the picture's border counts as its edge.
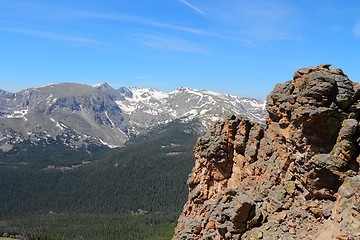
(295, 178)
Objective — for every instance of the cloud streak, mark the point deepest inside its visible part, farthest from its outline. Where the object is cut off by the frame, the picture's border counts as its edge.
(169, 43)
(356, 30)
(134, 22)
(140, 78)
(239, 22)
(192, 7)
(49, 35)
(148, 22)
(137, 20)
(257, 21)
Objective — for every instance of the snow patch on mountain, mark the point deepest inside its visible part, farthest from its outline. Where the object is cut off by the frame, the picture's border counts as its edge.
(18, 114)
(146, 94)
(107, 144)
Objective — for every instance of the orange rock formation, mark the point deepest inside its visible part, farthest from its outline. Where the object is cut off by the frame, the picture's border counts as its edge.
(295, 178)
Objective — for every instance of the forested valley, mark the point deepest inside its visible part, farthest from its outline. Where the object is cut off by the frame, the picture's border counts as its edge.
(50, 191)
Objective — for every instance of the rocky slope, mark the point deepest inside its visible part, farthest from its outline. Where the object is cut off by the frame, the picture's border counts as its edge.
(149, 107)
(75, 114)
(78, 115)
(295, 178)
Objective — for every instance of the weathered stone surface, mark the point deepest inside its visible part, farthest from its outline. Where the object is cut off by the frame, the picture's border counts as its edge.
(295, 178)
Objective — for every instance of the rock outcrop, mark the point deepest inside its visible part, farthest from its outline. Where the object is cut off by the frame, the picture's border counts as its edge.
(295, 178)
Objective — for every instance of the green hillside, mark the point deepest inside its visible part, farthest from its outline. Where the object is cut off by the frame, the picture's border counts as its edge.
(147, 178)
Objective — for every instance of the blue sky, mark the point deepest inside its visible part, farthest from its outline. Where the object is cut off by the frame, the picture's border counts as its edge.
(233, 46)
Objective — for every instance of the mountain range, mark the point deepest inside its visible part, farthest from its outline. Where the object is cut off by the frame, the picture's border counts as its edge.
(78, 115)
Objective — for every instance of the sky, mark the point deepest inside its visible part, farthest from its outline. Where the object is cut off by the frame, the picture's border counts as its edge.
(238, 47)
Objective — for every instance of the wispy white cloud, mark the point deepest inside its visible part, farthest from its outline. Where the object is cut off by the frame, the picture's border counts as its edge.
(71, 15)
(168, 43)
(192, 7)
(140, 78)
(148, 22)
(137, 20)
(256, 21)
(236, 21)
(356, 29)
(49, 35)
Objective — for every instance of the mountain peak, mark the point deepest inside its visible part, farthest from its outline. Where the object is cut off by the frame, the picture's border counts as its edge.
(60, 90)
(147, 93)
(126, 92)
(103, 86)
(183, 89)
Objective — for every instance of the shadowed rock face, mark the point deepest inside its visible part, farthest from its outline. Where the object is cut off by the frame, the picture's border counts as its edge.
(295, 178)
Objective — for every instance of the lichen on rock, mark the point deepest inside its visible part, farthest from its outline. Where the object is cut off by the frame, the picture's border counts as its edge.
(295, 178)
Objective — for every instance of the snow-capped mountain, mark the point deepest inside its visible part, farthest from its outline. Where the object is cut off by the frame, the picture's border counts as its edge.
(78, 114)
(149, 106)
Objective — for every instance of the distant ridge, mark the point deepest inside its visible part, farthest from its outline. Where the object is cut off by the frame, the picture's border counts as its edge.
(79, 114)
